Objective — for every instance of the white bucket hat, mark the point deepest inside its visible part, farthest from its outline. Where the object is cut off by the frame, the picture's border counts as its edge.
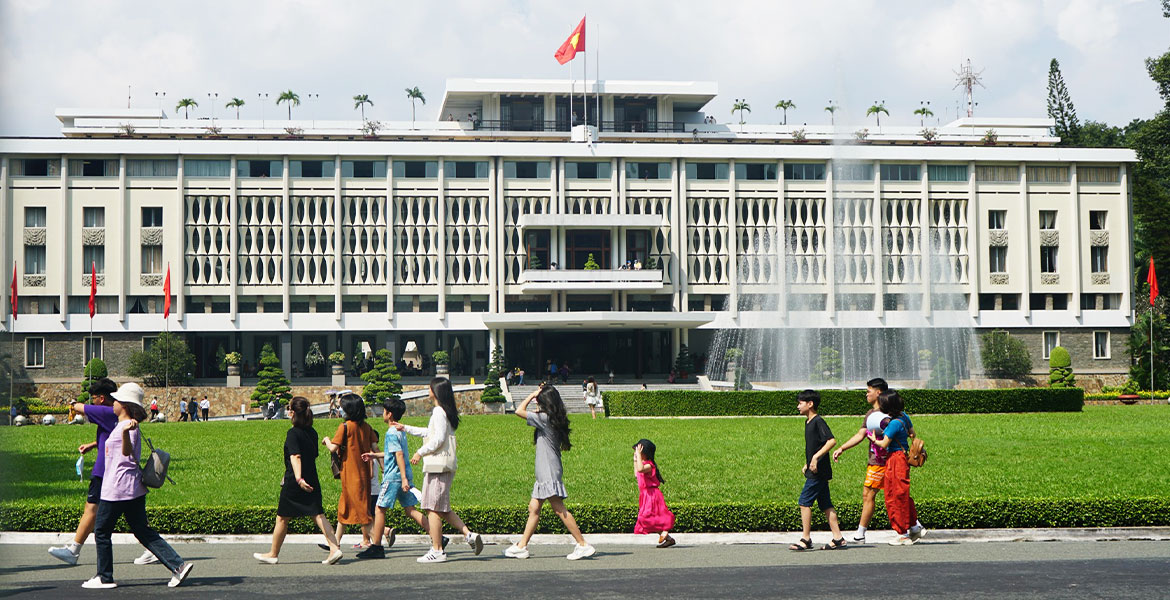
(129, 393)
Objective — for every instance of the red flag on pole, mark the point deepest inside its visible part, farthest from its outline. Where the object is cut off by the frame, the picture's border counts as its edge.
(92, 288)
(167, 294)
(1151, 278)
(13, 290)
(575, 43)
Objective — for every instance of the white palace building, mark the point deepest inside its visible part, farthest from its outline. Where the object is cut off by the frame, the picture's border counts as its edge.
(475, 230)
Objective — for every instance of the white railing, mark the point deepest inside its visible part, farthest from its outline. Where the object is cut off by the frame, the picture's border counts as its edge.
(600, 279)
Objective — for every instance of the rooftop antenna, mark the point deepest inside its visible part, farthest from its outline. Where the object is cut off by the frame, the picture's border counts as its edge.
(968, 79)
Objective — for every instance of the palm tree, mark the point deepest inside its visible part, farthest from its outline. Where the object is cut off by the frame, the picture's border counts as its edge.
(236, 103)
(360, 101)
(292, 98)
(784, 105)
(414, 94)
(831, 109)
(877, 109)
(923, 113)
(186, 104)
(741, 105)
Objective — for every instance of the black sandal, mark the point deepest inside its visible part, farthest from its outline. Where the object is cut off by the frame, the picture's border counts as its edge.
(801, 546)
(836, 544)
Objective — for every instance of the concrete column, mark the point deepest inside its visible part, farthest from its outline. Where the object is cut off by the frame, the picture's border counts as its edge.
(285, 251)
(781, 244)
(974, 273)
(233, 242)
(927, 250)
(124, 218)
(675, 343)
(178, 219)
(391, 272)
(678, 234)
(830, 220)
(879, 249)
(338, 234)
(1078, 251)
(441, 243)
(8, 247)
(732, 240)
(618, 182)
(286, 352)
(495, 247)
(1026, 243)
(499, 265)
(1127, 299)
(69, 237)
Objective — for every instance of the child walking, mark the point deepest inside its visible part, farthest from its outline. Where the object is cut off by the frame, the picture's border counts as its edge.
(817, 470)
(653, 514)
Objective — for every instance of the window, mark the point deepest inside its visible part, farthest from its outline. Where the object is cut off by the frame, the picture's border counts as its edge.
(947, 172)
(804, 171)
(1100, 345)
(1009, 302)
(1098, 174)
(167, 167)
(648, 170)
(36, 167)
(465, 169)
(34, 352)
(93, 349)
(34, 216)
(526, 169)
(1099, 259)
(34, 260)
(93, 216)
(1047, 220)
(845, 171)
(310, 168)
(416, 169)
(700, 170)
(209, 168)
(755, 171)
(260, 168)
(536, 246)
(152, 258)
(996, 219)
(998, 174)
(588, 170)
(997, 259)
(148, 341)
(152, 216)
(1047, 174)
(1051, 340)
(1097, 219)
(88, 167)
(93, 257)
(900, 173)
(367, 169)
(1048, 259)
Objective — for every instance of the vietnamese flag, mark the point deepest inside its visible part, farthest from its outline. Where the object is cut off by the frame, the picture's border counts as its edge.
(575, 43)
(1151, 279)
(167, 294)
(14, 290)
(92, 288)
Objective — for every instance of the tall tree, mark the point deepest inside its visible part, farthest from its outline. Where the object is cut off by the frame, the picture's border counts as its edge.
(235, 103)
(186, 104)
(360, 101)
(272, 384)
(291, 98)
(414, 94)
(741, 105)
(1060, 107)
(923, 113)
(832, 110)
(877, 110)
(784, 105)
(381, 380)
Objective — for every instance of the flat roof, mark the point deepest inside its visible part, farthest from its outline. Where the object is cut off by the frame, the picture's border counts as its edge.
(691, 95)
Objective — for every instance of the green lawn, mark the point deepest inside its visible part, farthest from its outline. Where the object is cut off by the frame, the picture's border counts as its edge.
(1102, 452)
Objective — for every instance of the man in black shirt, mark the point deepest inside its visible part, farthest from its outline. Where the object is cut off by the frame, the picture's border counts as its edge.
(817, 470)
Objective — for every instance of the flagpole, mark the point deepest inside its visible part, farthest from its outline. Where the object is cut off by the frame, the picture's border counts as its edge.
(597, 73)
(585, 83)
(12, 346)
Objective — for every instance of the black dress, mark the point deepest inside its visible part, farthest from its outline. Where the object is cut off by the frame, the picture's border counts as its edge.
(294, 501)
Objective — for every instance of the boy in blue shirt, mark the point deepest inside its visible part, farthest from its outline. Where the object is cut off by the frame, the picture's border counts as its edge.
(396, 480)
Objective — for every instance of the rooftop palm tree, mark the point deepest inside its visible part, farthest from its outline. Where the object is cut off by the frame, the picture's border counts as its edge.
(831, 109)
(877, 109)
(741, 105)
(414, 94)
(923, 113)
(235, 103)
(360, 101)
(291, 98)
(784, 105)
(186, 104)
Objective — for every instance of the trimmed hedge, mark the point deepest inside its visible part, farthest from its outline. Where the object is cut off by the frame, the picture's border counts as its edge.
(951, 513)
(838, 402)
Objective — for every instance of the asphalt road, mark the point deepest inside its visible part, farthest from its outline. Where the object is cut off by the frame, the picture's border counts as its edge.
(1120, 569)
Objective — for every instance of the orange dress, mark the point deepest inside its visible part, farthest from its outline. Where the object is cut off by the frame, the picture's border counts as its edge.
(353, 505)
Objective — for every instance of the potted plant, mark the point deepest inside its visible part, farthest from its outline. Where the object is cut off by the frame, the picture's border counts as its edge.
(125, 130)
(799, 136)
(337, 359)
(370, 128)
(990, 137)
(294, 132)
(313, 358)
(441, 359)
(233, 360)
(1129, 392)
(861, 136)
(214, 131)
(930, 135)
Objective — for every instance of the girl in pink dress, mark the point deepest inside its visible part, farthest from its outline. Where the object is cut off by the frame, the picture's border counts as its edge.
(653, 515)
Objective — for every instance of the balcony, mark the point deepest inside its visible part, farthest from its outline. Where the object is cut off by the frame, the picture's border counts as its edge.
(603, 280)
(591, 221)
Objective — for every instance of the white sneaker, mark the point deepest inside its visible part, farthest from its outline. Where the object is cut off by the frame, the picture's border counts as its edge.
(515, 551)
(581, 552)
(475, 540)
(181, 574)
(64, 554)
(268, 560)
(333, 558)
(858, 539)
(96, 583)
(917, 534)
(902, 541)
(147, 558)
(432, 557)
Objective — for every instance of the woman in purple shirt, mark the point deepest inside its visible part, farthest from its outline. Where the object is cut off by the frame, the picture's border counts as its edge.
(123, 494)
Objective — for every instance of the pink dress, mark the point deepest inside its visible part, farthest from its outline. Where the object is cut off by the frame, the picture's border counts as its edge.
(653, 515)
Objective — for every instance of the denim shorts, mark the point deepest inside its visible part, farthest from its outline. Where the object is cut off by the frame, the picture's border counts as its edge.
(392, 494)
(816, 489)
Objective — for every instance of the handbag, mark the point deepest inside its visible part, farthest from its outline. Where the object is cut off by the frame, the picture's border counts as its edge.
(916, 457)
(335, 458)
(443, 459)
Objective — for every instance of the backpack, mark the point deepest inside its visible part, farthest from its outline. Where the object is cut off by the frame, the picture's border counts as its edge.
(154, 472)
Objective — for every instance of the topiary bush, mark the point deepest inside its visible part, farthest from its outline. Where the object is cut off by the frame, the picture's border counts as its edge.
(1004, 356)
(272, 385)
(496, 370)
(94, 369)
(381, 380)
(1060, 373)
(684, 363)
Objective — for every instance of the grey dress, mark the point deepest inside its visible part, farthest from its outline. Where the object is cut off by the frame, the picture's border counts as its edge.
(548, 459)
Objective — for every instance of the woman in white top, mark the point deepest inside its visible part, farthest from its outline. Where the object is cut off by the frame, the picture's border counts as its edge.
(592, 396)
(439, 466)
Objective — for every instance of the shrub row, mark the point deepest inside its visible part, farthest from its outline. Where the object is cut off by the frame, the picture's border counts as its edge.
(1144, 395)
(839, 402)
(950, 513)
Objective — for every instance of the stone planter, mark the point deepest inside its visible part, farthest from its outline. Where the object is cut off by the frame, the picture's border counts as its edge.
(493, 408)
(441, 371)
(730, 374)
(337, 374)
(233, 376)
(1129, 398)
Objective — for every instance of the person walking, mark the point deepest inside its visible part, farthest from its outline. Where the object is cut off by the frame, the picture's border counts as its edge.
(551, 437)
(123, 494)
(353, 438)
(817, 470)
(875, 469)
(653, 514)
(193, 410)
(154, 409)
(900, 506)
(592, 396)
(439, 451)
(183, 408)
(100, 412)
(205, 407)
(552, 371)
(300, 490)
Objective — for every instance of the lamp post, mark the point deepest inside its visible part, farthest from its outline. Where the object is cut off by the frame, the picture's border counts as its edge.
(160, 96)
(312, 109)
(213, 97)
(262, 99)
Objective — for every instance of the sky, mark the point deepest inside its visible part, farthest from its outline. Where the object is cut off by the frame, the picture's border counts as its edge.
(56, 54)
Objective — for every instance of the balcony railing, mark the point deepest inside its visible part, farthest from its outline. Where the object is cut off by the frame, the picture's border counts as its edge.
(641, 126)
(533, 280)
(519, 125)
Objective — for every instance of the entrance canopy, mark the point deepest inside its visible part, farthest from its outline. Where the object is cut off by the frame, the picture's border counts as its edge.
(595, 320)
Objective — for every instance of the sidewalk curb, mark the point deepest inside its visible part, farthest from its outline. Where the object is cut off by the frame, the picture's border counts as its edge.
(1106, 534)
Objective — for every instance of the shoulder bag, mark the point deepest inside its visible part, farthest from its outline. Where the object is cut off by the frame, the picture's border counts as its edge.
(442, 460)
(916, 457)
(335, 458)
